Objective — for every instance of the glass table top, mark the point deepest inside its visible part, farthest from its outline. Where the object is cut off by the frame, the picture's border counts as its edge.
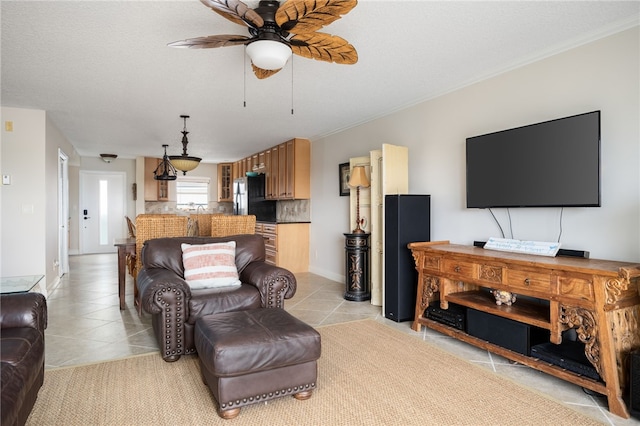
(21, 284)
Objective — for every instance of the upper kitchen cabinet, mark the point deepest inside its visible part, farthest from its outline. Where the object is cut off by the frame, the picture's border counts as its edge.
(286, 170)
(294, 177)
(271, 192)
(225, 182)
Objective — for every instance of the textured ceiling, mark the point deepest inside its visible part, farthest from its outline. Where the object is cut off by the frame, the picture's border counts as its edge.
(103, 71)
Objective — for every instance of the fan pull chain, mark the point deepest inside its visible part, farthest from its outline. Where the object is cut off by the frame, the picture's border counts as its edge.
(244, 78)
(291, 85)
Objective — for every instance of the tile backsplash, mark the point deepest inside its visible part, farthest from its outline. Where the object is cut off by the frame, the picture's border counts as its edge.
(160, 207)
(293, 211)
(286, 210)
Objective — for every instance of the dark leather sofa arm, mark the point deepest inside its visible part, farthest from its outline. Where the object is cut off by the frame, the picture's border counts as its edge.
(23, 310)
(152, 280)
(274, 283)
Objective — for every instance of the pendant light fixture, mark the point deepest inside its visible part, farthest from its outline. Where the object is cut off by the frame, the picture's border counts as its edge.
(184, 162)
(165, 170)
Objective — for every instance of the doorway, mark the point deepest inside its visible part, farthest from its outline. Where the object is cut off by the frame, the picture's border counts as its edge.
(63, 213)
(102, 211)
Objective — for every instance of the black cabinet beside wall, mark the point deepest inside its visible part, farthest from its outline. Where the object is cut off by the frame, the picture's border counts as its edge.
(407, 220)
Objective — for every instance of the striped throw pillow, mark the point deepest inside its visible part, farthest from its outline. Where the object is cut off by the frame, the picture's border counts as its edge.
(210, 265)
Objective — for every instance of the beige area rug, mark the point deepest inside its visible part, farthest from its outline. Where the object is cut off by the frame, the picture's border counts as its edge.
(369, 374)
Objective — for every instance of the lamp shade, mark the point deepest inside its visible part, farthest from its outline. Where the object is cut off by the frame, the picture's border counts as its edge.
(184, 163)
(358, 177)
(269, 54)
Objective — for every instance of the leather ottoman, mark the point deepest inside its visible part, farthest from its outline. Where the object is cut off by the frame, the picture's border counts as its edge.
(256, 355)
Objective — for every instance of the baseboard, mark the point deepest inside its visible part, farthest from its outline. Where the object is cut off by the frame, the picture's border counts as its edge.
(327, 274)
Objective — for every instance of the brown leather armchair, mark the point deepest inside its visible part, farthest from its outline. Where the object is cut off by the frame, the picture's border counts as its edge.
(175, 307)
(23, 318)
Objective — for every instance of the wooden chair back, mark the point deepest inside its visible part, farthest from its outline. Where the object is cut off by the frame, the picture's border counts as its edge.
(225, 225)
(150, 226)
(204, 223)
(131, 226)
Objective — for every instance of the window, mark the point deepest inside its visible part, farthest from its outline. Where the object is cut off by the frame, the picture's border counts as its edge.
(192, 192)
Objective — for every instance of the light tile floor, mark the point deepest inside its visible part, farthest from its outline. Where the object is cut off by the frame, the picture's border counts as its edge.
(85, 325)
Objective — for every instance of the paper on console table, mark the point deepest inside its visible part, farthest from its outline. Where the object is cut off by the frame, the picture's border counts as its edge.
(538, 248)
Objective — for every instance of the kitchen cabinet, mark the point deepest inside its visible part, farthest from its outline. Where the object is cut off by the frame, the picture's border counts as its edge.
(262, 161)
(154, 190)
(272, 175)
(236, 170)
(286, 244)
(225, 182)
(294, 178)
(286, 169)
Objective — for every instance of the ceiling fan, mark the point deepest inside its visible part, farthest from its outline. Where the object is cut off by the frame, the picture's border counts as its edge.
(276, 31)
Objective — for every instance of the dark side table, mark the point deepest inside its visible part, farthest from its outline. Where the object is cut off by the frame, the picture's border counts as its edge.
(357, 267)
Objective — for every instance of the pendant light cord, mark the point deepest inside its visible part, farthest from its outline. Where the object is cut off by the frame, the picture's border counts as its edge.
(292, 85)
(244, 79)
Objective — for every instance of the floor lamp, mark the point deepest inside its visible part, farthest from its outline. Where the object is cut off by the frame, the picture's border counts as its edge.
(358, 180)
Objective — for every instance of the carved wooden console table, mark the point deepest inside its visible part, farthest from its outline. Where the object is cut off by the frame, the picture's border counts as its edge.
(598, 298)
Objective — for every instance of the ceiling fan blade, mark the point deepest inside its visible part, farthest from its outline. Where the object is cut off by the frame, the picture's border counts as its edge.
(324, 47)
(262, 73)
(211, 41)
(235, 11)
(307, 16)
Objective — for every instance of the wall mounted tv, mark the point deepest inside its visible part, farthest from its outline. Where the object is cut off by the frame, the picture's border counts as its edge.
(551, 164)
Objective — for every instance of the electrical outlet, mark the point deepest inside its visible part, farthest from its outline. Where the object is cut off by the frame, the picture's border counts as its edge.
(8, 126)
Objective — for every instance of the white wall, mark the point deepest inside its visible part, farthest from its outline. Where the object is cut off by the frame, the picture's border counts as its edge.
(601, 75)
(24, 201)
(29, 220)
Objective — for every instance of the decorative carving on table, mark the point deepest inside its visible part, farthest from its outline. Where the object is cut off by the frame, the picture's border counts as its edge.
(491, 273)
(432, 262)
(430, 285)
(614, 288)
(584, 322)
(623, 321)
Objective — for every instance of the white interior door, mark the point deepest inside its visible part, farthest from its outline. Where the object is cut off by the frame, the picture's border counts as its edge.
(63, 213)
(102, 211)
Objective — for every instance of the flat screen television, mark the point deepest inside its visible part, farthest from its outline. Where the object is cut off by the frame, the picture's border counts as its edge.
(551, 164)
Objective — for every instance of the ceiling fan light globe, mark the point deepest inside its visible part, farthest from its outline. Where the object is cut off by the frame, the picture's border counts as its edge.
(268, 54)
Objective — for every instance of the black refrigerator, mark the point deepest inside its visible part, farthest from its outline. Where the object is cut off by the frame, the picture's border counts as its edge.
(407, 219)
(249, 198)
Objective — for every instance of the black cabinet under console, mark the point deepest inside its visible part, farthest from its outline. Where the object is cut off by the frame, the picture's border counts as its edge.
(510, 334)
(407, 219)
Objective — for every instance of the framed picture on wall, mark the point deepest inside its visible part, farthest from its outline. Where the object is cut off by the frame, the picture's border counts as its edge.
(344, 174)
